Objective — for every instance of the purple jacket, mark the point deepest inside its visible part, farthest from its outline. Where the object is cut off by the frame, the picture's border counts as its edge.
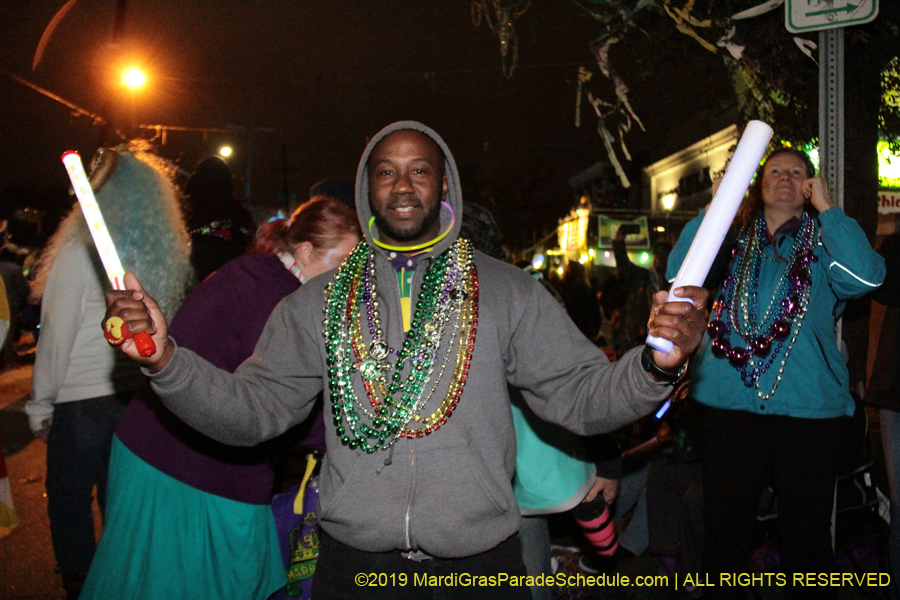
(221, 321)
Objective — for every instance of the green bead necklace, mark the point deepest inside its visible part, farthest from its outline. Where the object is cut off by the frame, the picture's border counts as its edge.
(446, 314)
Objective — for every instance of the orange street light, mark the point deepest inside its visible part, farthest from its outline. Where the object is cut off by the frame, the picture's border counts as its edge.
(134, 78)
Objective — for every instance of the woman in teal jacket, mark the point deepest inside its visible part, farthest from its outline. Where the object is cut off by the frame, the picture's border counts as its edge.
(770, 369)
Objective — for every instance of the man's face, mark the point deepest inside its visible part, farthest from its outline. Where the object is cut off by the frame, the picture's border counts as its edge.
(406, 186)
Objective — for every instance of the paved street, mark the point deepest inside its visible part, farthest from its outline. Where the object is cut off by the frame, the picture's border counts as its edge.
(26, 556)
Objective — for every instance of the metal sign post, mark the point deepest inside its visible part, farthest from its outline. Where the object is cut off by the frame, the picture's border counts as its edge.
(831, 111)
(831, 118)
(829, 17)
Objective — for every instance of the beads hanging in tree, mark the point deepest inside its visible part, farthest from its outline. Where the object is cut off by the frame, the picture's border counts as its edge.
(500, 16)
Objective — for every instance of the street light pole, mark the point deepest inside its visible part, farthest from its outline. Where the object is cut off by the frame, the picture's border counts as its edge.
(248, 170)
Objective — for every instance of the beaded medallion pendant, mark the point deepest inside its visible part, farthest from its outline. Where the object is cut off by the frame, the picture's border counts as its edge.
(737, 308)
(401, 385)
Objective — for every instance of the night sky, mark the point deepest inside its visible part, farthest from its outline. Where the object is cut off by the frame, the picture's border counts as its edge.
(327, 74)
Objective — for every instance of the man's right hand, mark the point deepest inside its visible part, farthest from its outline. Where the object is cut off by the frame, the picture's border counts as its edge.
(140, 313)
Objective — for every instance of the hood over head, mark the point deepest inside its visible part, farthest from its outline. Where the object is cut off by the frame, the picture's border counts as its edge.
(454, 191)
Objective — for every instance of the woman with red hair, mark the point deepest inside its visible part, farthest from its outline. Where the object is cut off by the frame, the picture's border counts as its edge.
(189, 517)
(770, 373)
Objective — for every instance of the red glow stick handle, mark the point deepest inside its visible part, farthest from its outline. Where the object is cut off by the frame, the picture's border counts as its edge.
(116, 332)
(144, 344)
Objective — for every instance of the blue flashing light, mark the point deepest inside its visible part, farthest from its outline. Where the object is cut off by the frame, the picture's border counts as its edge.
(662, 410)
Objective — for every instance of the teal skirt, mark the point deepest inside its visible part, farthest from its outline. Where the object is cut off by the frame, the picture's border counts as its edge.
(163, 539)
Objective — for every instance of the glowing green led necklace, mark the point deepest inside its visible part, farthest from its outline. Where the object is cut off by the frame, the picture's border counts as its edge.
(417, 246)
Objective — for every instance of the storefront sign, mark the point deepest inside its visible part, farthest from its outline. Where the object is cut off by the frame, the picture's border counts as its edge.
(888, 201)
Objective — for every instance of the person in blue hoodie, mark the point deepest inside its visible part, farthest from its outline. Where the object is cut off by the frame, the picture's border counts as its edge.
(770, 371)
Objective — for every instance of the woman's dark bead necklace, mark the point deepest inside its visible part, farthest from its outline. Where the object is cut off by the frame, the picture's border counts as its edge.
(737, 307)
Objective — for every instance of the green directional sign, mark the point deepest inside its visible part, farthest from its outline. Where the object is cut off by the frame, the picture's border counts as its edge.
(801, 16)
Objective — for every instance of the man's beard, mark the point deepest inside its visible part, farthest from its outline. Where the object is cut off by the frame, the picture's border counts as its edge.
(413, 232)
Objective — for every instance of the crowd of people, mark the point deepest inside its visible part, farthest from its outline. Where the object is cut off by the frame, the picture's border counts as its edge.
(458, 401)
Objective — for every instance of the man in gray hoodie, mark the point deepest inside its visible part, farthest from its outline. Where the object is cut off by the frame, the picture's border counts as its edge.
(420, 336)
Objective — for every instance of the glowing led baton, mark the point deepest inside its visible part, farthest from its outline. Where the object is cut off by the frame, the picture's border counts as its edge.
(115, 329)
(719, 216)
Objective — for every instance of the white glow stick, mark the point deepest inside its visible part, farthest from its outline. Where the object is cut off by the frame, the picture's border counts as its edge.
(103, 242)
(719, 216)
(94, 218)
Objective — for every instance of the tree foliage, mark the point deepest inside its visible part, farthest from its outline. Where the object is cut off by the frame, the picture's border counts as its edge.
(774, 72)
(776, 81)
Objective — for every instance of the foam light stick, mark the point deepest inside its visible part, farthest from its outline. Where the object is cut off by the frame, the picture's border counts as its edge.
(719, 216)
(115, 330)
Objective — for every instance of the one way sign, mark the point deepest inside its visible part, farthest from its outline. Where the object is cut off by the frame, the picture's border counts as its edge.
(801, 16)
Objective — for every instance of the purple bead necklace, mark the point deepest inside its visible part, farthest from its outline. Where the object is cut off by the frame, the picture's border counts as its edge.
(737, 307)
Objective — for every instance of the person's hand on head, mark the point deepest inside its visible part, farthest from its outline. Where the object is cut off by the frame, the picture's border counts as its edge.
(816, 191)
(138, 313)
(682, 323)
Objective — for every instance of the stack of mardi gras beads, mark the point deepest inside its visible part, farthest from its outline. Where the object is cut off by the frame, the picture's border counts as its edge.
(445, 316)
(737, 308)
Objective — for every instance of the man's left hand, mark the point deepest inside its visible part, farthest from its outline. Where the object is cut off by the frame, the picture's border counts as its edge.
(682, 323)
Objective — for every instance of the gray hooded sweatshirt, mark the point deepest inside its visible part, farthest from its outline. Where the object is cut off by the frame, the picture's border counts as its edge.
(448, 494)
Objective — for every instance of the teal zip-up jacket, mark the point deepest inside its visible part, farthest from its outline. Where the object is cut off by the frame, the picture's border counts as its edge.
(448, 494)
(815, 382)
